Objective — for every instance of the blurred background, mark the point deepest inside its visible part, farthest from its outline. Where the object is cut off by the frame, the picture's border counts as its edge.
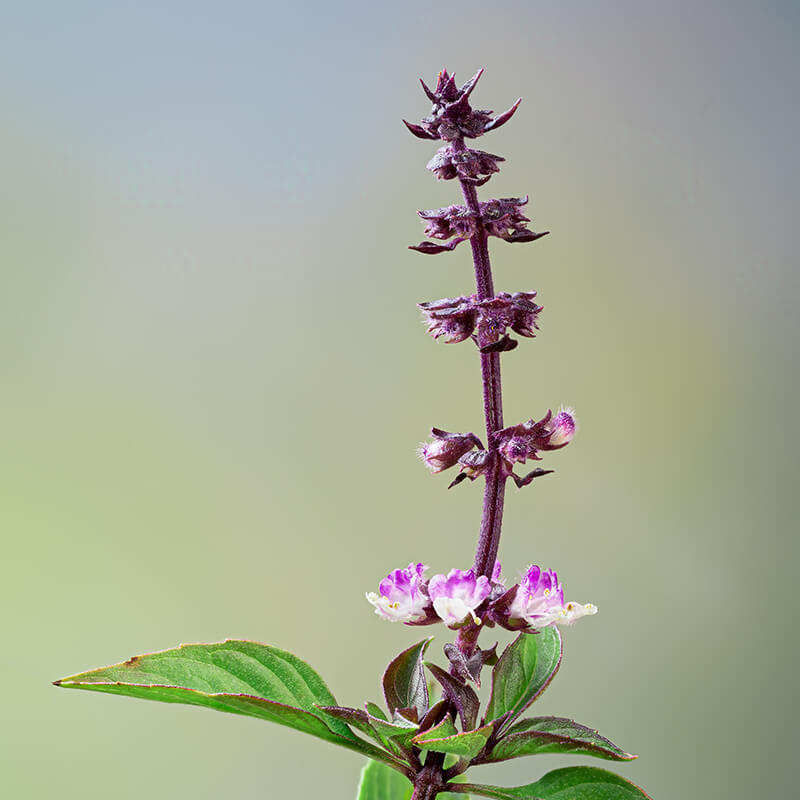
(214, 375)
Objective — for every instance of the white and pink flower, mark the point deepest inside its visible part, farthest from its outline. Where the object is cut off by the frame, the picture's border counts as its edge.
(402, 596)
(539, 601)
(455, 596)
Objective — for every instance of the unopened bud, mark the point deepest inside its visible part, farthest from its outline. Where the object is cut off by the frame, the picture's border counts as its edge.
(562, 428)
(446, 449)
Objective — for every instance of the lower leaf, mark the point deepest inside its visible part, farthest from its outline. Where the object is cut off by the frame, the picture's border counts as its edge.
(570, 783)
(239, 677)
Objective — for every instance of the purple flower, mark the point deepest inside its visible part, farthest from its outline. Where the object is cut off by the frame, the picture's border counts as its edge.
(471, 166)
(403, 596)
(446, 449)
(456, 596)
(539, 601)
(451, 116)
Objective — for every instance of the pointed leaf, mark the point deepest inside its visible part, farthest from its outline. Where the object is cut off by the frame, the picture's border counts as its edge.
(394, 737)
(570, 783)
(375, 710)
(523, 672)
(554, 735)
(419, 131)
(461, 695)
(239, 677)
(444, 728)
(501, 119)
(465, 745)
(404, 681)
(354, 717)
(430, 248)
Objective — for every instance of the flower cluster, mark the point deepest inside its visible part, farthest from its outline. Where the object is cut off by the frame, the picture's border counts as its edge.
(502, 218)
(459, 597)
(521, 442)
(514, 445)
(470, 166)
(458, 318)
(451, 117)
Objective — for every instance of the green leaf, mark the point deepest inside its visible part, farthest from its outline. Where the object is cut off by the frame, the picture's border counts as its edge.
(523, 672)
(239, 677)
(378, 782)
(444, 728)
(444, 739)
(404, 681)
(375, 710)
(570, 783)
(390, 735)
(353, 717)
(554, 735)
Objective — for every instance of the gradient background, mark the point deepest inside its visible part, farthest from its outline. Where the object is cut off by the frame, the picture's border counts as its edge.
(214, 375)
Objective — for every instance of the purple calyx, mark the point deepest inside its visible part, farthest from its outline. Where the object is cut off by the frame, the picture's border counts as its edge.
(486, 321)
(502, 218)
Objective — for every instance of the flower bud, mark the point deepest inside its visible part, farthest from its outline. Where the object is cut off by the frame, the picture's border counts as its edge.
(446, 449)
(521, 442)
(562, 428)
(452, 117)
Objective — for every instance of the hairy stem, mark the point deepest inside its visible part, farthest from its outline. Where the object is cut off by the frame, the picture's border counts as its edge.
(494, 492)
(424, 792)
(429, 780)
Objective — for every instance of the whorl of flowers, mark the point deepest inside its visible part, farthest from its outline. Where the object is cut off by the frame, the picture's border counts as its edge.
(460, 598)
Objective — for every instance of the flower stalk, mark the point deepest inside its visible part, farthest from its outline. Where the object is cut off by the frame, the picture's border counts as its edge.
(430, 741)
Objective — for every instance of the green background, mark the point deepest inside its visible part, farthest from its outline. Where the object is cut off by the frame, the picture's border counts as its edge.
(214, 376)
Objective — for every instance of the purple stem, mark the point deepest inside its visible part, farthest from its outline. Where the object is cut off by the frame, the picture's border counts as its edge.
(492, 518)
